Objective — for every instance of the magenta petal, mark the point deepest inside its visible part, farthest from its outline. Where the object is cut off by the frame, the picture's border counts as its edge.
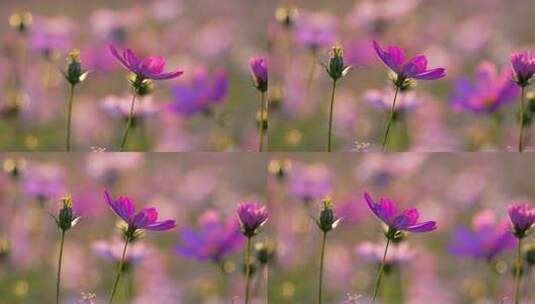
(375, 208)
(422, 227)
(131, 59)
(111, 203)
(160, 226)
(116, 54)
(396, 56)
(145, 217)
(388, 209)
(165, 76)
(431, 74)
(420, 62)
(123, 207)
(153, 65)
(126, 208)
(407, 218)
(385, 57)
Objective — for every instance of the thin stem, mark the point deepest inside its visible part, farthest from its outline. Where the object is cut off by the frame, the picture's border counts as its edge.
(320, 289)
(521, 113)
(247, 269)
(263, 115)
(331, 110)
(380, 274)
(128, 122)
(119, 271)
(491, 292)
(310, 77)
(69, 117)
(60, 258)
(266, 274)
(390, 120)
(518, 266)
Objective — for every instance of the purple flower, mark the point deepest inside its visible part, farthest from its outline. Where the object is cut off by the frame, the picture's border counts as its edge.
(147, 68)
(310, 182)
(489, 91)
(213, 240)
(406, 220)
(372, 252)
(487, 239)
(259, 71)
(50, 35)
(44, 182)
(200, 95)
(146, 218)
(252, 216)
(415, 68)
(316, 30)
(523, 67)
(522, 218)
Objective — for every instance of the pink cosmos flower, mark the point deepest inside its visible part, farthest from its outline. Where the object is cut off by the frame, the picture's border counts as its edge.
(147, 68)
(406, 220)
(522, 218)
(252, 216)
(146, 218)
(415, 68)
(523, 64)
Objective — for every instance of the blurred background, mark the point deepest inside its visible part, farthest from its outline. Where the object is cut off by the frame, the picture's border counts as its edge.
(472, 39)
(201, 260)
(211, 41)
(455, 190)
(187, 188)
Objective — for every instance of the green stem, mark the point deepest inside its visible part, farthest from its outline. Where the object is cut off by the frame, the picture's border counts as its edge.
(263, 114)
(266, 274)
(521, 132)
(320, 289)
(390, 120)
(310, 77)
(247, 269)
(491, 292)
(60, 258)
(380, 274)
(518, 266)
(119, 271)
(128, 122)
(69, 117)
(331, 110)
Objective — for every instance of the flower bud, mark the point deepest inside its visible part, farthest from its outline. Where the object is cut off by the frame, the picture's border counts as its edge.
(4, 248)
(21, 21)
(327, 220)
(279, 168)
(265, 252)
(529, 255)
(262, 120)
(286, 15)
(66, 218)
(74, 73)
(259, 72)
(14, 167)
(336, 68)
(142, 87)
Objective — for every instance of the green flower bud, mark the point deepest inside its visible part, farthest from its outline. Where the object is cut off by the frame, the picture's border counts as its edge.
(74, 73)
(265, 252)
(336, 68)
(66, 218)
(327, 220)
